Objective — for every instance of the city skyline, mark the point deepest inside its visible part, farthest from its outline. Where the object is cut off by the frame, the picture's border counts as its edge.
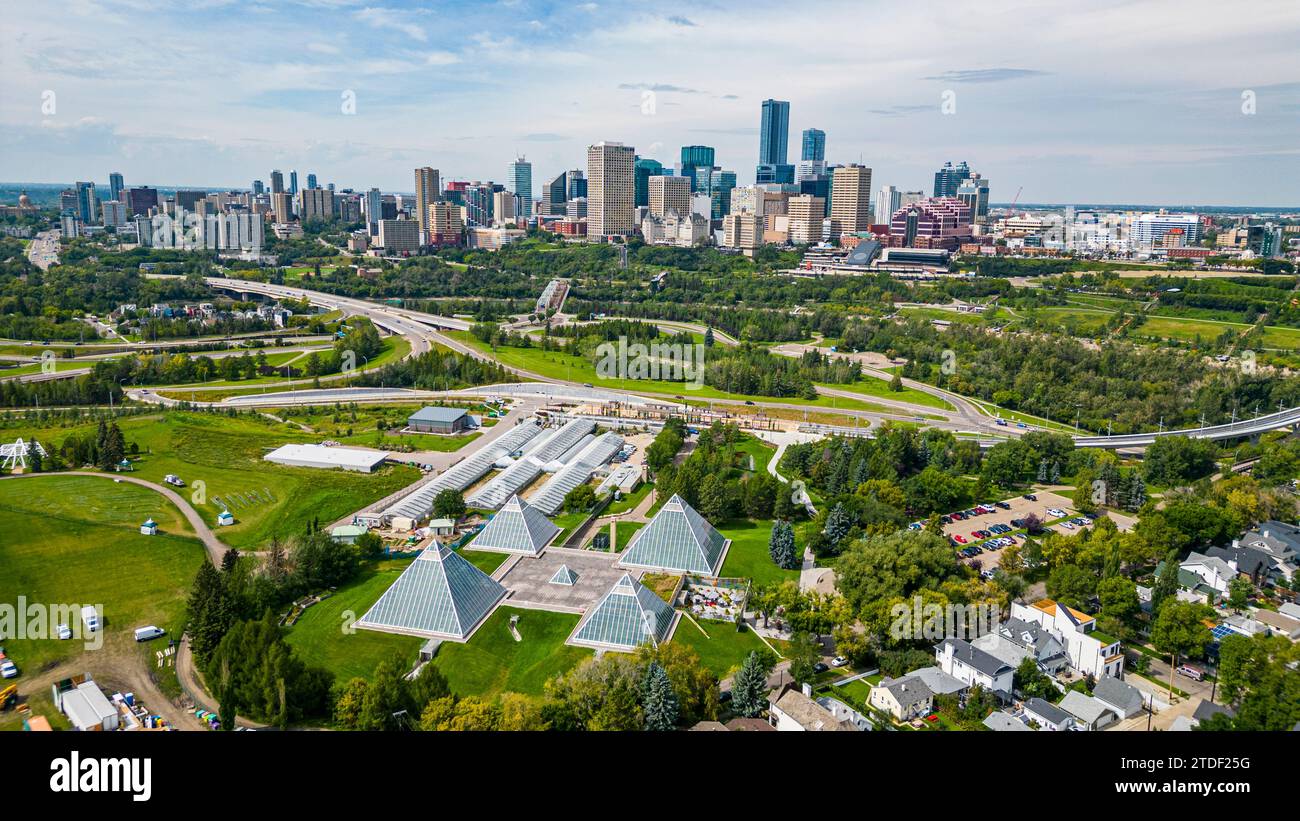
(1064, 119)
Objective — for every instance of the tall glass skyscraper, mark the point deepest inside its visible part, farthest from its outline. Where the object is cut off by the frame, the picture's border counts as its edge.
(519, 181)
(115, 186)
(645, 169)
(695, 157)
(814, 144)
(774, 133)
(949, 178)
(721, 184)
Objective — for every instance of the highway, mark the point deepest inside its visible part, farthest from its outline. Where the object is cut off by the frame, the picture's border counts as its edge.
(423, 332)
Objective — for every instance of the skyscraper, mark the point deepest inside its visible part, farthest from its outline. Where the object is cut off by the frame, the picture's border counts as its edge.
(693, 157)
(87, 203)
(667, 193)
(374, 207)
(427, 190)
(258, 188)
(577, 184)
(974, 191)
(293, 182)
(888, 200)
(115, 186)
(720, 185)
(557, 193)
(949, 178)
(311, 180)
(774, 133)
(519, 181)
(611, 189)
(814, 144)
(850, 199)
(645, 169)
(277, 182)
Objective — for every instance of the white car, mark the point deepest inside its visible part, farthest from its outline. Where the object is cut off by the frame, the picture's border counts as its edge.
(1067, 525)
(839, 661)
(63, 632)
(8, 669)
(1056, 511)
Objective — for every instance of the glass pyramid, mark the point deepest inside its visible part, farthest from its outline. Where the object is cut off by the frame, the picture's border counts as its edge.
(439, 595)
(628, 616)
(517, 528)
(677, 539)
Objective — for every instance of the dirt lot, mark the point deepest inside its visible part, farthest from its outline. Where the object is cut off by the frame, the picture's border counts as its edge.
(1020, 507)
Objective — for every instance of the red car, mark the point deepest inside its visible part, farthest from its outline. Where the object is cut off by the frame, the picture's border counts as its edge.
(960, 539)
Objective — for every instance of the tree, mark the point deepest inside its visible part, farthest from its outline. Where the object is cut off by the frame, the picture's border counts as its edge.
(658, 701)
(449, 504)
(780, 545)
(210, 612)
(1180, 632)
(805, 652)
(708, 337)
(1071, 585)
(749, 685)
(1239, 590)
(1032, 682)
(1166, 583)
(1119, 601)
(896, 384)
(580, 499)
(838, 523)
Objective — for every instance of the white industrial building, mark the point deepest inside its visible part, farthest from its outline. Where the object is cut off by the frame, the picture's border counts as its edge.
(320, 456)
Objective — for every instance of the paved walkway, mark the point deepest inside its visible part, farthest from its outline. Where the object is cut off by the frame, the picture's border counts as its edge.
(215, 547)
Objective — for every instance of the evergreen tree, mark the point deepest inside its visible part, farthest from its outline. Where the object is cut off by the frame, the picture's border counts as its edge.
(1167, 584)
(211, 613)
(1056, 473)
(1137, 494)
(780, 545)
(708, 337)
(838, 523)
(1042, 471)
(749, 687)
(658, 700)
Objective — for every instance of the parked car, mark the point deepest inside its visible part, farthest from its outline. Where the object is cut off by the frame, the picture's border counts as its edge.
(820, 667)
(1031, 497)
(1194, 673)
(1002, 505)
(63, 632)
(8, 669)
(90, 616)
(148, 633)
(960, 539)
(839, 661)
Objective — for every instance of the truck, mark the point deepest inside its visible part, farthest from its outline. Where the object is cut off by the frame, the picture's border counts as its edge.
(148, 633)
(90, 617)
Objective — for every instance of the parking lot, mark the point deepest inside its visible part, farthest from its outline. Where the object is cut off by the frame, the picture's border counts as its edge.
(961, 532)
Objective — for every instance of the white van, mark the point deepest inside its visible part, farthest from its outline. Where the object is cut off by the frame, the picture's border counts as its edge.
(90, 616)
(147, 633)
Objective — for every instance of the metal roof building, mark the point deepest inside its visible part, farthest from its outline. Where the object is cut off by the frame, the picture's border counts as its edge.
(592, 455)
(517, 528)
(628, 616)
(677, 540)
(320, 456)
(439, 595)
(558, 445)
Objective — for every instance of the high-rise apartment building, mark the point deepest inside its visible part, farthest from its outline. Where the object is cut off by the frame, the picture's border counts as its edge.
(399, 237)
(446, 223)
(850, 199)
(277, 181)
(611, 189)
(315, 204)
(807, 215)
(282, 206)
(888, 200)
(519, 181)
(668, 194)
(428, 189)
(114, 214)
(373, 205)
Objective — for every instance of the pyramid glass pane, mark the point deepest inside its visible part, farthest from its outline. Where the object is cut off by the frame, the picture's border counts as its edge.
(439, 594)
(677, 539)
(518, 528)
(628, 616)
(564, 575)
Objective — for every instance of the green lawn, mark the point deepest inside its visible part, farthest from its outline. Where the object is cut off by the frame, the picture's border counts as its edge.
(724, 649)
(630, 500)
(321, 636)
(492, 662)
(72, 541)
(874, 386)
(225, 453)
(748, 557)
(623, 533)
(485, 560)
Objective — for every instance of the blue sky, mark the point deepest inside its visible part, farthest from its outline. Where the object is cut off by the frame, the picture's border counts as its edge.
(1107, 101)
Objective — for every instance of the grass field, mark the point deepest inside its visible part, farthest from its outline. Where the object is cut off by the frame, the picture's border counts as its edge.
(873, 386)
(748, 557)
(75, 540)
(724, 649)
(492, 662)
(225, 453)
(630, 500)
(319, 637)
(485, 560)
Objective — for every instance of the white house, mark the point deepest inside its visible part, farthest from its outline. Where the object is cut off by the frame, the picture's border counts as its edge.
(1047, 715)
(1123, 699)
(1089, 652)
(1087, 711)
(903, 698)
(1212, 571)
(792, 710)
(972, 666)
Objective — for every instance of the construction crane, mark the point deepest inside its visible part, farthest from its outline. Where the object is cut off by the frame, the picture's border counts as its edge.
(1016, 199)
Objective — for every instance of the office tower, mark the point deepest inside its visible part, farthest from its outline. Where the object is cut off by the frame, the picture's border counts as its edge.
(478, 200)
(694, 157)
(293, 182)
(400, 237)
(888, 200)
(948, 178)
(277, 182)
(519, 181)
(374, 208)
(938, 222)
(611, 184)
(743, 230)
(140, 200)
(668, 194)
(974, 191)
(850, 199)
(720, 185)
(446, 223)
(907, 198)
(1149, 229)
(187, 200)
(807, 214)
(315, 204)
(577, 184)
(311, 180)
(115, 186)
(87, 203)
(645, 169)
(281, 206)
(774, 132)
(427, 190)
(68, 201)
(774, 174)
(114, 214)
(556, 194)
(503, 207)
(576, 209)
(814, 144)
(258, 188)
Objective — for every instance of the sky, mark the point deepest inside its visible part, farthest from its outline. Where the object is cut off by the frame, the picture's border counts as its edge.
(1108, 101)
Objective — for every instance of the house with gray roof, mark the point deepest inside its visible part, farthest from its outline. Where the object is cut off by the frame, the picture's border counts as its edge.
(939, 682)
(1017, 638)
(1047, 715)
(1121, 697)
(903, 698)
(973, 666)
(1004, 722)
(1088, 711)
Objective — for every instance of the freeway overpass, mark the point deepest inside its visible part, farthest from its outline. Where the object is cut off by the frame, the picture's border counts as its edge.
(386, 316)
(1289, 418)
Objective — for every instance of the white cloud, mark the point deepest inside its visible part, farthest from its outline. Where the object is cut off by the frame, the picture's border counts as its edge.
(382, 18)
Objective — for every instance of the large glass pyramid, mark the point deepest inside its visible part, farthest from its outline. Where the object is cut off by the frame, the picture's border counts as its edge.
(516, 528)
(628, 616)
(678, 539)
(440, 595)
